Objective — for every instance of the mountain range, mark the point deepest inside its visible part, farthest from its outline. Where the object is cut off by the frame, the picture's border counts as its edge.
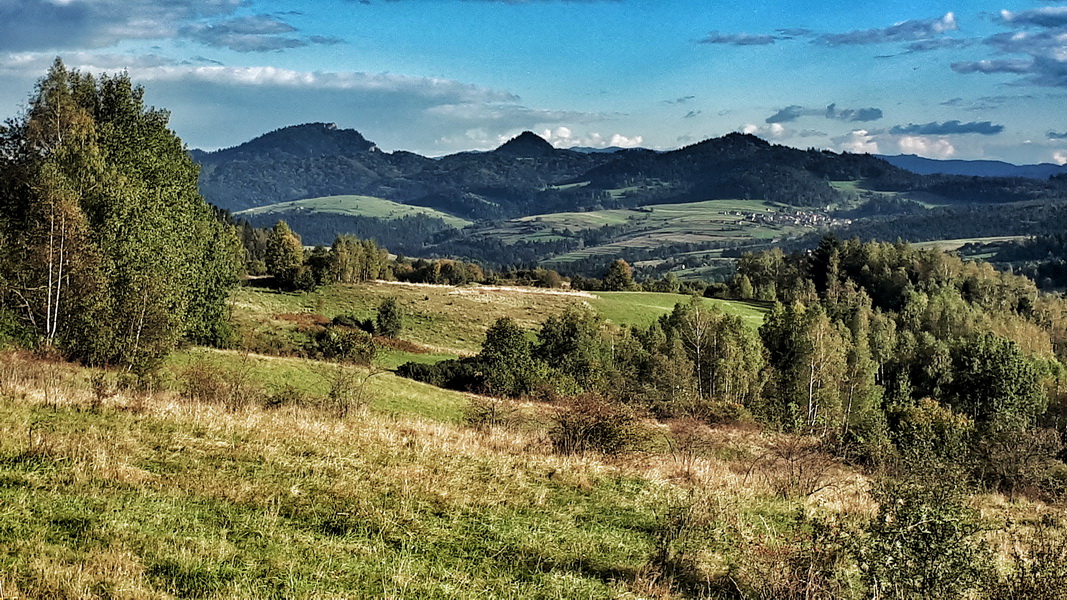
(530, 202)
(973, 168)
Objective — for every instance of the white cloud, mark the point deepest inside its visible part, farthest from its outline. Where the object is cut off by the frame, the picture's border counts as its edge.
(939, 148)
(565, 137)
(623, 141)
(858, 141)
(45, 25)
(1060, 156)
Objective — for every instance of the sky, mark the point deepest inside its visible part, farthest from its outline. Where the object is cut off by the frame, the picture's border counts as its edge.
(980, 79)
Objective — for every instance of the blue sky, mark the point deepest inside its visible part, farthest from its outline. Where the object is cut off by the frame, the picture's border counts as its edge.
(977, 79)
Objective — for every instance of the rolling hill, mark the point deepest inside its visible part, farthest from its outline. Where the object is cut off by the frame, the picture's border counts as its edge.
(512, 192)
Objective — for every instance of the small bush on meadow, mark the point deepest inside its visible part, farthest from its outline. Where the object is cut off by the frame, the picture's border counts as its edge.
(210, 384)
(344, 344)
(484, 413)
(590, 423)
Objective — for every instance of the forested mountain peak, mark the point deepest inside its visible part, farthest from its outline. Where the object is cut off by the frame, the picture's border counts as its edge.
(299, 141)
(527, 145)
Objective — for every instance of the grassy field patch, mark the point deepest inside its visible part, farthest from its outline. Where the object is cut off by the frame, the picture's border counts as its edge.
(360, 206)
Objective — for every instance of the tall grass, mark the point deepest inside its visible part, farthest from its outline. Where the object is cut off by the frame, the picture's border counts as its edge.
(149, 493)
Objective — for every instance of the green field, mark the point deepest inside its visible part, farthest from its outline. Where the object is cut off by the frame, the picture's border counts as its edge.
(445, 321)
(361, 206)
(642, 308)
(950, 245)
(652, 226)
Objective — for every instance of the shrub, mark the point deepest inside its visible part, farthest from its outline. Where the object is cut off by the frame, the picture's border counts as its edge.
(390, 320)
(354, 322)
(1037, 566)
(924, 541)
(203, 382)
(344, 344)
(590, 423)
(452, 374)
(286, 395)
(484, 413)
(807, 563)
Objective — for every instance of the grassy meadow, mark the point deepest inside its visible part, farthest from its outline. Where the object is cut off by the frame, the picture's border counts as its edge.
(129, 493)
(234, 474)
(650, 226)
(358, 206)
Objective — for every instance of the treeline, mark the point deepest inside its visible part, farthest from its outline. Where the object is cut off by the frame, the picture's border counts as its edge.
(955, 222)
(108, 253)
(280, 253)
(887, 353)
(408, 235)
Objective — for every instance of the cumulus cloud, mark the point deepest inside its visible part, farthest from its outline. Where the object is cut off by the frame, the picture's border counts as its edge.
(1050, 16)
(261, 33)
(947, 128)
(906, 31)
(939, 148)
(1042, 54)
(565, 137)
(1052, 135)
(788, 114)
(778, 132)
(857, 141)
(1060, 156)
(856, 115)
(942, 43)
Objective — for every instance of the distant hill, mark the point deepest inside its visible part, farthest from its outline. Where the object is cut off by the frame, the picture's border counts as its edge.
(527, 145)
(528, 176)
(525, 175)
(973, 168)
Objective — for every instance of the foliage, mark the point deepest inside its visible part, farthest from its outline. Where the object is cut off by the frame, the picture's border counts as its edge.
(588, 423)
(619, 277)
(389, 321)
(344, 344)
(924, 541)
(110, 253)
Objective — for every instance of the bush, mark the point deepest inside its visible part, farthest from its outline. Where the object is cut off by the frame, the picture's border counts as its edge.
(390, 320)
(590, 423)
(924, 541)
(202, 382)
(451, 374)
(484, 413)
(1037, 567)
(354, 322)
(344, 344)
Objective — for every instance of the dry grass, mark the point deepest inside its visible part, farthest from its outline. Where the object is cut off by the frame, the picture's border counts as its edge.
(145, 494)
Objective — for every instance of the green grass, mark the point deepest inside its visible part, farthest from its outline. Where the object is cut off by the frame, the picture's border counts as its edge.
(642, 308)
(363, 206)
(161, 497)
(194, 503)
(650, 226)
(383, 390)
(446, 321)
(948, 245)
